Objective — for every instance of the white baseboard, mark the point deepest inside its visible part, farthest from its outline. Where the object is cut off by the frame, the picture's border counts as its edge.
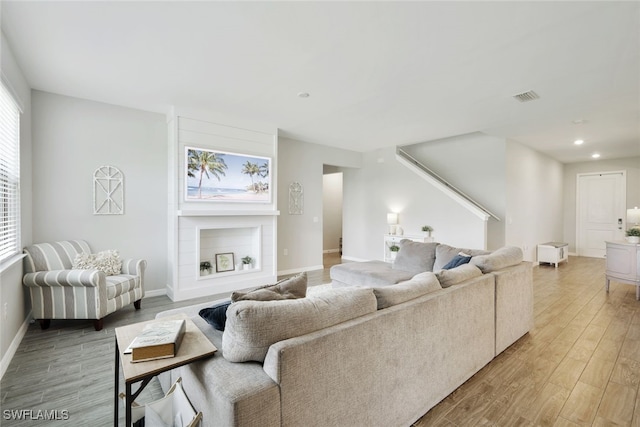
(11, 351)
(331, 251)
(155, 293)
(300, 270)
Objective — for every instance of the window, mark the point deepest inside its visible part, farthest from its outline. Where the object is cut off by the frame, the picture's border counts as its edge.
(9, 175)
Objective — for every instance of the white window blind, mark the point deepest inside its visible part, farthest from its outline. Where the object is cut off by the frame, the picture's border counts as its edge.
(9, 175)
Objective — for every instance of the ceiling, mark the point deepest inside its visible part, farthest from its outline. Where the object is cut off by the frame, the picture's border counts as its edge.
(379, 74)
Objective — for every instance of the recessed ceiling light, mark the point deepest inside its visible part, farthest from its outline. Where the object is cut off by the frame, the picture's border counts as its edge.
(578, 142)
(595, 155)
(303, 94)
(578, 121)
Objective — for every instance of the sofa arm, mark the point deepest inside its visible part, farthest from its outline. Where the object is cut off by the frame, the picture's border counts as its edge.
(57, 278)
(135, 267)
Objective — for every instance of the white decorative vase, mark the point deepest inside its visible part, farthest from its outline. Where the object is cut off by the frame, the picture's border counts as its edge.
(246, 266)
(633, 239)
(392, 255)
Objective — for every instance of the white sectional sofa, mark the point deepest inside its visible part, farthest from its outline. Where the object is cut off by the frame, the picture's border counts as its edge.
(389, 354)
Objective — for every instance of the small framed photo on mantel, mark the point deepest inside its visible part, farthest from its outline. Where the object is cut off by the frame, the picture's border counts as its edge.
(225, 262)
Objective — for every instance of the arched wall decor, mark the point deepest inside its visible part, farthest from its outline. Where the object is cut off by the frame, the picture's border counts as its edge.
(108, 191)
(296, 199)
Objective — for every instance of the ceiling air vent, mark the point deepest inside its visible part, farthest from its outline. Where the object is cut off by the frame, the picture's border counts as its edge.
(527, 96)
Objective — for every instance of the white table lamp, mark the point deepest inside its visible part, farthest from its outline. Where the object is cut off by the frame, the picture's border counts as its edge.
(633, 217)
(392, 221)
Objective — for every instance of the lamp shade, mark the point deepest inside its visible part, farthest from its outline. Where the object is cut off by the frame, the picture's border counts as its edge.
(392, 218)
(633, 216)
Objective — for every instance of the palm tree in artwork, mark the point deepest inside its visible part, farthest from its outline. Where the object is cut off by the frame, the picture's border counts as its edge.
(264, 170)
(251, 169)
(206, 163)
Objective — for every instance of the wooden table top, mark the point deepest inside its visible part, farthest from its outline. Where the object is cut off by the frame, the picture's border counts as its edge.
(195, 345)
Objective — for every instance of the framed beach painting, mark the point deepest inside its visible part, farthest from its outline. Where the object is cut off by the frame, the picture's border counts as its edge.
(219, 176)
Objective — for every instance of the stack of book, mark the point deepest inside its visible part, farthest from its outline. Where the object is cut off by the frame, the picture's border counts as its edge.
(158, 340)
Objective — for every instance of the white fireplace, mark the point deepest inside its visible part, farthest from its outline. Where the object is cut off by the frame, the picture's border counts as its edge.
(220, 233)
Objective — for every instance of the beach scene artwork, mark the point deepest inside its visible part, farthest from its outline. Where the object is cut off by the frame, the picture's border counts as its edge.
(218, 176)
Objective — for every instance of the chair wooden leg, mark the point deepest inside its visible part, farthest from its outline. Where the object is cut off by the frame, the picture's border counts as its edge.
(98, 324)
(136, 304)
(44, 323)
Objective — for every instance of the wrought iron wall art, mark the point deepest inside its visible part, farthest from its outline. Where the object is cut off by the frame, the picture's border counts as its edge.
(296, 199)
(108, 191)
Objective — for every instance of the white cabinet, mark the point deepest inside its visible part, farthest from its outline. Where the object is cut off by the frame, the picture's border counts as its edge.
(623, 264)
(394, 239)
(553, 252)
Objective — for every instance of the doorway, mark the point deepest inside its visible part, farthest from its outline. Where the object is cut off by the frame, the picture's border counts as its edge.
(600, 210)
(331, 215)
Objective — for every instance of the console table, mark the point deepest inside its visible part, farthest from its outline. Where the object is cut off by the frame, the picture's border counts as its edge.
(623, 264)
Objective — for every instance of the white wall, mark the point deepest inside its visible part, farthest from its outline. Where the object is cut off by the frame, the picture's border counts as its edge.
(631, 165)
(12, 293)
(534, 197)
(300, 235)
(332, 211)
(475, 164)
(384, 185)
(71, 139)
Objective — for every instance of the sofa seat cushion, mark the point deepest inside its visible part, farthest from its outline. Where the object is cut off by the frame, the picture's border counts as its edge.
(502, 258)
(415, 257)
(253, 326)
(418, 285)
(457, 275)
(369, 274)
(121, 284)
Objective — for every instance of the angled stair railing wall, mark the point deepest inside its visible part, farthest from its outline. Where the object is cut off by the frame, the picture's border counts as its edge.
(444, 186)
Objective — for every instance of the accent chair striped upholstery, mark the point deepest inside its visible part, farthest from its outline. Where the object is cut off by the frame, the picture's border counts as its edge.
(60, 292)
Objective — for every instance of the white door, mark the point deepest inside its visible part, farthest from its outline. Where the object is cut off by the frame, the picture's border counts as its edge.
(600, 211)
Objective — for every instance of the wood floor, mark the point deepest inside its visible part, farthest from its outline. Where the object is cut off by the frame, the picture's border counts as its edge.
(579, 366)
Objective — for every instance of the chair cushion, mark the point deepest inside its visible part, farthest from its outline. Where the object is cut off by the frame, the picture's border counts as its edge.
(121, 284)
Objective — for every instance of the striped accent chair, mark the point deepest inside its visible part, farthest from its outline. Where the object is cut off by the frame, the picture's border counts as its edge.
(60, 292)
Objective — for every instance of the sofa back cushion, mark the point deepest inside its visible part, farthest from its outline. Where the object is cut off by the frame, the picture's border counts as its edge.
(457, 275)
(418, 285)
(253, 326)
(53, 256)
(499, 259)
(445, 253)
(415, 257)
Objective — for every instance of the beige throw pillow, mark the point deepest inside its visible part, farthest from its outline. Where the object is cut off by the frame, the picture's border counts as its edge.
(499, 259)
(291, 288)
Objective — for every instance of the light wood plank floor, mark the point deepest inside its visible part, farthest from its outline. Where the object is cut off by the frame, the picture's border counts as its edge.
(579, 366)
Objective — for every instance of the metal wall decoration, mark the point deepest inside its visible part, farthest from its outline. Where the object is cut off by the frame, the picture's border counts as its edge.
(108, 191)
(296, 199)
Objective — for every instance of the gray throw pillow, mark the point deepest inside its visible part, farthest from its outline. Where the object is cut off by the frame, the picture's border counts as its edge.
(499, 259)
(415, 257)
(457, 275)
(291, 288)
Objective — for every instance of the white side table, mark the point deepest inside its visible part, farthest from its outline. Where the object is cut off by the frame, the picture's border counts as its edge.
(553, 252)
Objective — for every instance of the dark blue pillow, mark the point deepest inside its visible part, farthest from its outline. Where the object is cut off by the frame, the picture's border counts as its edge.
(457, 261)
(216, 316)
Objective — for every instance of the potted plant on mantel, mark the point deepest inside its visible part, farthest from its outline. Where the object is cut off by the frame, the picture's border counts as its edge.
(205, 268)
(427, 229)
(246, 262)
(633, 235)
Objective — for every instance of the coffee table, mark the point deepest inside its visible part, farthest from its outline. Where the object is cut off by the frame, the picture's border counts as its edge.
(195, 345)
